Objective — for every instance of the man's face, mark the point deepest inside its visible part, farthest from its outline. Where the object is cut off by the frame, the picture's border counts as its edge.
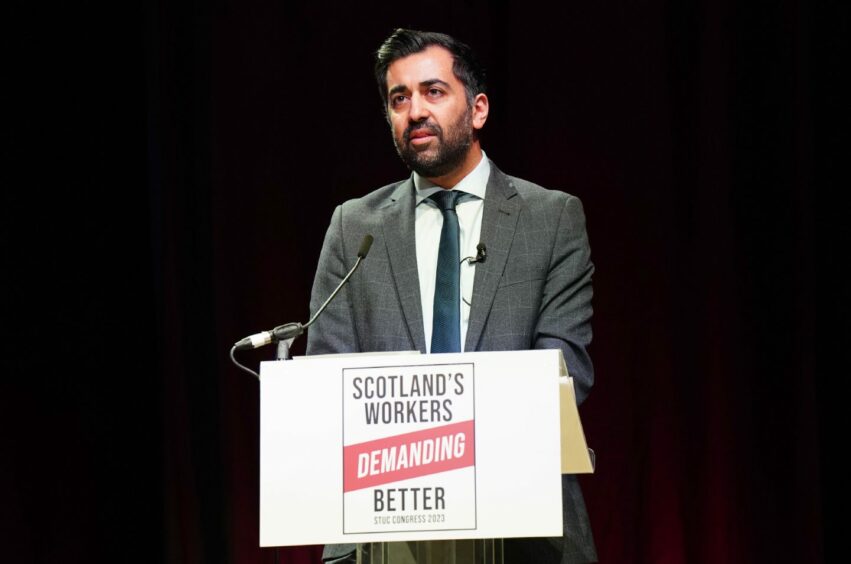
(428, 112)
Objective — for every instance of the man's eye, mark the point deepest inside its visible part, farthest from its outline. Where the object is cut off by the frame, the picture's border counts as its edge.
(397, 100)
(435, 92)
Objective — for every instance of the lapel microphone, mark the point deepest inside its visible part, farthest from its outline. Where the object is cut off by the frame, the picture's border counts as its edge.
(481, 255)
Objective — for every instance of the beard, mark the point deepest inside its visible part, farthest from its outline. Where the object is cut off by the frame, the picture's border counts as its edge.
(451, 148)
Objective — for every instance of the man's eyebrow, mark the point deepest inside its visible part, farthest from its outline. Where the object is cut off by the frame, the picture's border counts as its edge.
(433, 81)
(423, 84)
(397, 88)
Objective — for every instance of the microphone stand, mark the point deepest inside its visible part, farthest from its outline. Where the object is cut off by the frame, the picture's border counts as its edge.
(284, 335)
(283, 350)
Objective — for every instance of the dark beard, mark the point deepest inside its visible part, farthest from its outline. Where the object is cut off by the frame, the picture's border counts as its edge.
(452, 149)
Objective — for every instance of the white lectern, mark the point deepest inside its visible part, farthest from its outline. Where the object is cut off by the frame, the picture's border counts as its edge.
(386, 449)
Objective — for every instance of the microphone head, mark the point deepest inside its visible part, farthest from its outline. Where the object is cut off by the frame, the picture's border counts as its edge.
(365, 245)
(481, 252)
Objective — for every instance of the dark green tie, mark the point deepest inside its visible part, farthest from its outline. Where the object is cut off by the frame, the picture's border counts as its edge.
(446, 323)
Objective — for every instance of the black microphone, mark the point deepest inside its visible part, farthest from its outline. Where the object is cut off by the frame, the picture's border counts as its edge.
(293, 330)
(481, 253)
(364, 246)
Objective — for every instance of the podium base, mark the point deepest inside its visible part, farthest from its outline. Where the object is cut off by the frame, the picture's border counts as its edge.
(473, 551)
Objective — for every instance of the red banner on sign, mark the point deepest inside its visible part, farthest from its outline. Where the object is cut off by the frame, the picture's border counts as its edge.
(411, 455)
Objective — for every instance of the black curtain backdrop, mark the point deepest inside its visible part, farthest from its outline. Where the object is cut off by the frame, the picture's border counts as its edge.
(175, 165)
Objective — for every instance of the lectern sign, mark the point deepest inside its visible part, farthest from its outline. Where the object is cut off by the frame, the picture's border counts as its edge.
(409, 449)
(397, 447)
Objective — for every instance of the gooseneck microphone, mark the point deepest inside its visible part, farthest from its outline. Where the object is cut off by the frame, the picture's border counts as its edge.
(293, 330)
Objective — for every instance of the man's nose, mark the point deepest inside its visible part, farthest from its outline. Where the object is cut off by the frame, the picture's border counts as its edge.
(419, 109)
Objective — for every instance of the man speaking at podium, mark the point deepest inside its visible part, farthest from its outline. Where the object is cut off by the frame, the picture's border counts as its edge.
(465, 257)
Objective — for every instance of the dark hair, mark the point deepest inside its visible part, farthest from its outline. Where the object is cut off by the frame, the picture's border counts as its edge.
(405, 42)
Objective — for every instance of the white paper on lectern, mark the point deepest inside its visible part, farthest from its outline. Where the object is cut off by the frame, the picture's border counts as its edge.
(575, 455)
(516, 474)
(355, 355)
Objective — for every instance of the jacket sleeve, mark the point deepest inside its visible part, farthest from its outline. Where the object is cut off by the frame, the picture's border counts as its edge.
(564, 320)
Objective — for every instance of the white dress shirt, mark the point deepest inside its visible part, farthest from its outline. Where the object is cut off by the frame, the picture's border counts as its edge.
(429, 222)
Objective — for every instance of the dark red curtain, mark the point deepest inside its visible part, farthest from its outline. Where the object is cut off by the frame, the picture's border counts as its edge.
(180, 166)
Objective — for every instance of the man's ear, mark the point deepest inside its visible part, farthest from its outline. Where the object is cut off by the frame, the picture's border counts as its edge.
(481, 106)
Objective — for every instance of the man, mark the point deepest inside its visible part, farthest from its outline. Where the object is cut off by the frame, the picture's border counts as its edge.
(530, 287)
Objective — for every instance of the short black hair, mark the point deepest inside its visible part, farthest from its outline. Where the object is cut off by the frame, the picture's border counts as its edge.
(405, 42)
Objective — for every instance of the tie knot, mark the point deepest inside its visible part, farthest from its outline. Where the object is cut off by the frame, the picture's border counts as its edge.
(446, 199)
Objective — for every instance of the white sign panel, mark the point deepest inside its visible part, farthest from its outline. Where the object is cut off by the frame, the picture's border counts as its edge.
(371, 448)
(409, 448)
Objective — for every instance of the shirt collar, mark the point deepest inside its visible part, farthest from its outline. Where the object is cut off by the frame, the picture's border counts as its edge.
(474, 183)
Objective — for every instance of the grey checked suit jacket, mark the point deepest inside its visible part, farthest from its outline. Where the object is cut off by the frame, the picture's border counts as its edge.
(532, 292)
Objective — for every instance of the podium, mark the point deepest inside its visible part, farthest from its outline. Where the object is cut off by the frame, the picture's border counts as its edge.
(417, 458)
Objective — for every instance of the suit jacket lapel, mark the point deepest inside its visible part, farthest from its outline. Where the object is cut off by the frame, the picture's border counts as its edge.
(499, 222)
(400, 238)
